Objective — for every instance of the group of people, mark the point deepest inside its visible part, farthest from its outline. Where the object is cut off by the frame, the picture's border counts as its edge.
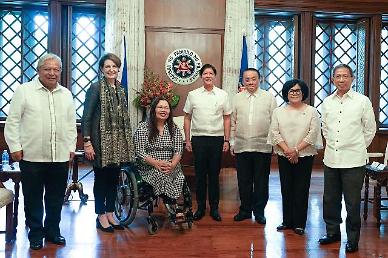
(252, 127)
(41, 134)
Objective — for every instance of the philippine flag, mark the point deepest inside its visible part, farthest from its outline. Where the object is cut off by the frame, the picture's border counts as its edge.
(244, 62)
(123, 68)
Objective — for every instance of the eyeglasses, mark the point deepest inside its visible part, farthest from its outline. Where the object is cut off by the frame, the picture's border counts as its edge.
(165, 108)
(295, 92)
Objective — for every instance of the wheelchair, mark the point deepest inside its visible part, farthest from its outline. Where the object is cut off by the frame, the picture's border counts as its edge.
(135, 194)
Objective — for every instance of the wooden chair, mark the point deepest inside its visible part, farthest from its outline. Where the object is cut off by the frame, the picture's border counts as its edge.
(373, 155)
(380, 179)
(6, 199)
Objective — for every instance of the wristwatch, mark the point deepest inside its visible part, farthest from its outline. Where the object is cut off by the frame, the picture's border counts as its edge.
(86, 139)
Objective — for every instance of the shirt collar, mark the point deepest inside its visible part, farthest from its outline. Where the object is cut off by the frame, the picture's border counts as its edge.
(255, 94)
(39, 85)
(203, 90)
(349, 94)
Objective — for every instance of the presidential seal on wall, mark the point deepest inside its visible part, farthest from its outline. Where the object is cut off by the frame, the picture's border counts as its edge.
(183, 65)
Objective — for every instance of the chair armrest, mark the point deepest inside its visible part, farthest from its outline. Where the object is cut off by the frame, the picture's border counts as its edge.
(375, 155)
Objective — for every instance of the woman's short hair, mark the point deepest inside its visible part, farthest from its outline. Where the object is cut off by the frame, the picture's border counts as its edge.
(109, 56)
(291, 83)
(206, 66)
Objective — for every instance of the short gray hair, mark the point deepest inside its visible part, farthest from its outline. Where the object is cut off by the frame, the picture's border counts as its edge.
(344, 66)
(47, 57)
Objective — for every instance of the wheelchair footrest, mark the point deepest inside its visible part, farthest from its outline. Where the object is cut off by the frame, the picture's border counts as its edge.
(180, 217)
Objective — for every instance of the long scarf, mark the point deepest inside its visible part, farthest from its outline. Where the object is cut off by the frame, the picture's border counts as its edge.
(115, 128)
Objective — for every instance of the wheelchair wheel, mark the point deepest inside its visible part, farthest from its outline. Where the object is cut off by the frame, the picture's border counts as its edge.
(127, 199)
(152, 226)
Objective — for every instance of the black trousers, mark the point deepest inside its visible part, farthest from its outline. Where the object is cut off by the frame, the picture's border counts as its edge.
(346, 181)
(50, 177)
(207, 152)
(295, 186)
(253, 170)
(105, 188)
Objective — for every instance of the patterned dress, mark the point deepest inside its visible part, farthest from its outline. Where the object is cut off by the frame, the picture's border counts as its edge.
(162, 148)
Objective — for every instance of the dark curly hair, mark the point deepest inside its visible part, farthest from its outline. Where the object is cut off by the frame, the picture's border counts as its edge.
(154, 132)
(291, 83)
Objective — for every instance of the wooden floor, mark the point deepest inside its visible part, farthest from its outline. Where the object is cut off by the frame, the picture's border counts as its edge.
(207, 238)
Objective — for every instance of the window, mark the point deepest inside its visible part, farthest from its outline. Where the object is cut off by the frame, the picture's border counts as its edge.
(336, 43)
(88, 40)
(274, 52)
(383, 105)
(23, 40)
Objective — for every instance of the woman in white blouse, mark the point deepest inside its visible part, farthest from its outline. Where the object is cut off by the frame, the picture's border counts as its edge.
(295, 133)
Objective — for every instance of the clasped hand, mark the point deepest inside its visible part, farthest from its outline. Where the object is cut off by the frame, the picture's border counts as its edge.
(291, 155)
(164, 166)
(89, 152)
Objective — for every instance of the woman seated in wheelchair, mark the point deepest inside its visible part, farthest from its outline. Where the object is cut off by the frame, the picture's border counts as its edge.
(159, 146)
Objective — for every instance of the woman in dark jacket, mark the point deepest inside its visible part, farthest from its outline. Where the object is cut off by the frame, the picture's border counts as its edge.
(107, 138)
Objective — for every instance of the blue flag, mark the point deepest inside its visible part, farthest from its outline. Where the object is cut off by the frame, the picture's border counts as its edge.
(123, 68)
(244, 60)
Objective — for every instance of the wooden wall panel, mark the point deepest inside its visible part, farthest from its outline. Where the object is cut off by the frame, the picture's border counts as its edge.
(172, 24)
(160, 44)
(185, 13)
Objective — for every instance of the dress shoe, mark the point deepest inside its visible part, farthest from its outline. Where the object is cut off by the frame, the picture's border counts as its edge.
(241, 216)
(36, 244)
(117, 226)
(282, 227)
(328, 239)
(260, 220)
(58, 239)
(215, 215)
(299, 231)
(199, 214)
(107, 229)
(351, 248)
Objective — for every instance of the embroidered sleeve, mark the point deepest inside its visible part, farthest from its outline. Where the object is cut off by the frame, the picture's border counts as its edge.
(274, 136)
(313, 136)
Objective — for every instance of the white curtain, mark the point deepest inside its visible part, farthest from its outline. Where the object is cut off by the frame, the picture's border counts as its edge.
(126, 18)
(239, 21)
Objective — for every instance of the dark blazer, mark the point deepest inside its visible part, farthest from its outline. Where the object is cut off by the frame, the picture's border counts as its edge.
(90, 124)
